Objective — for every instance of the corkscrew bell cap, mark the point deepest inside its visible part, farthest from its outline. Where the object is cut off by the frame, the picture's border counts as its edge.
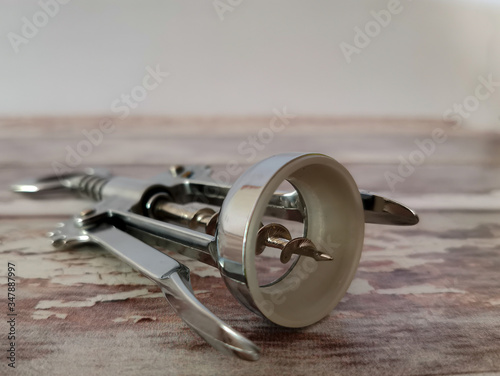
(334, 223)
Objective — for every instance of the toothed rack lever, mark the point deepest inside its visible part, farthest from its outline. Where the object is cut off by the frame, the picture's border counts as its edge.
(185, 211)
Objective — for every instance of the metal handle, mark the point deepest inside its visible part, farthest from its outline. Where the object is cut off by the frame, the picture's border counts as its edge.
(179, 293)
(90, 182)
(173, 279)
(87, 182)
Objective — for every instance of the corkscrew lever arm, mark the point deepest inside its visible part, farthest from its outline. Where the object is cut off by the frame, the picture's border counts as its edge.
(378, 209)
(173, 280)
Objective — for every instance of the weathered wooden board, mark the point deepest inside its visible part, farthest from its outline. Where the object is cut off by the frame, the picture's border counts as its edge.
(425, 301)
(243, 141)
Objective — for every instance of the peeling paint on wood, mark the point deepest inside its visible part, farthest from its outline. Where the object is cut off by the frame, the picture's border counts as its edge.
(425, 300)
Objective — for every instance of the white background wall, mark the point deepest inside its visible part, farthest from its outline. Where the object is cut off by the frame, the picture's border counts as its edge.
(262, 55)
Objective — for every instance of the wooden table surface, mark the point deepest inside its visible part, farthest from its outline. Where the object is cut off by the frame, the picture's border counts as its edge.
(425, 300)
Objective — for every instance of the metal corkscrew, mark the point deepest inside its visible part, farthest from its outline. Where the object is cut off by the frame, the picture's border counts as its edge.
(231, 227)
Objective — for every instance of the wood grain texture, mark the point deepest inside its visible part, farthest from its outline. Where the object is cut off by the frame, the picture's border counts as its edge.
(425, 300)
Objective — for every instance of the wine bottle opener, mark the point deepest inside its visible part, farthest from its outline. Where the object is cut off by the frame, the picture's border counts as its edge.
(233, 228)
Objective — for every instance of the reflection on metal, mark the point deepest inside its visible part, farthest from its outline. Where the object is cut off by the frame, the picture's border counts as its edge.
(277, 236)
(185, 211)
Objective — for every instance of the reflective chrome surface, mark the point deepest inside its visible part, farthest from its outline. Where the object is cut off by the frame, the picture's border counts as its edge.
(132, 223)
(102, 227)
(335, 224)
(173, 279)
